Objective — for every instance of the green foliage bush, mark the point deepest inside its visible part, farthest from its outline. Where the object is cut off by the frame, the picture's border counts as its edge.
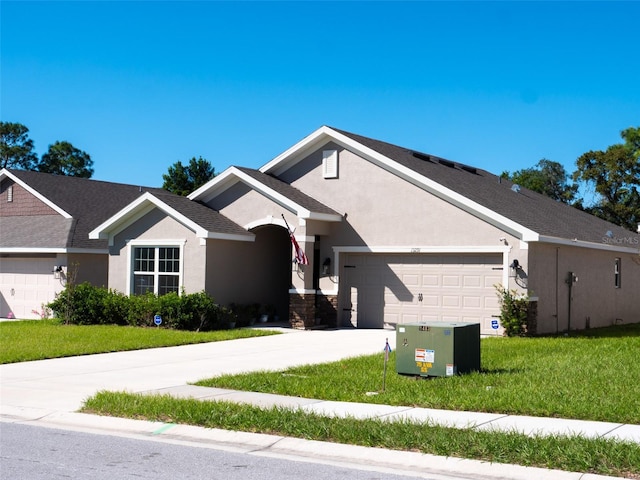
(86, 304)
(513, 311)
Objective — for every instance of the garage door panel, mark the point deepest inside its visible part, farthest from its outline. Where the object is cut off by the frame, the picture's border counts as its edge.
(26, 284)
(472, 281)
(450, 281)
(411, 280)
(404, 288)
(449, 301)
(472, 302)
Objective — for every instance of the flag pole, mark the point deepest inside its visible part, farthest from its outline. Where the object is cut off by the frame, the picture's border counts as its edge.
(285, 222)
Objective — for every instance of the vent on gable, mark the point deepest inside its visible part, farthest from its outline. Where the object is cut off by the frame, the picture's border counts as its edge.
(10, 194)
(330, 164)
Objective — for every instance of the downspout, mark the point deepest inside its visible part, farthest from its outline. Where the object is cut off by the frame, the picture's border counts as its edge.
(557, 287)
(571, 279)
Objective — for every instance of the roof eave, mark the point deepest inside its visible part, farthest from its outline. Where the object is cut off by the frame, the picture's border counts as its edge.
(50, 250)
(592, 245)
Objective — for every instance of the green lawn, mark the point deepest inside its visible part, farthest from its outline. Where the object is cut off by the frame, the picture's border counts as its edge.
(39, 339)
(574, 454)
(593, 376)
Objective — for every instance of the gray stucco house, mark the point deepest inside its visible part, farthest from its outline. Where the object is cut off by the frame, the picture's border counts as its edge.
(392, 235)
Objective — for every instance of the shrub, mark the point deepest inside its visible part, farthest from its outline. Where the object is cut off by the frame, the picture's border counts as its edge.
(80, 305)
(142, 310)
(513, 311)
(85, 304)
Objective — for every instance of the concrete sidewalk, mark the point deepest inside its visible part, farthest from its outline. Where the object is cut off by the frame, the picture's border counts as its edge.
(48, 392)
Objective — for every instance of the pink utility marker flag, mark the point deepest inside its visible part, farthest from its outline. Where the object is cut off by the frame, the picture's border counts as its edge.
(387, 351)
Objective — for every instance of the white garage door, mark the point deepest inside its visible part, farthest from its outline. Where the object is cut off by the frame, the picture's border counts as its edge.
(26, 284)
(402, 288)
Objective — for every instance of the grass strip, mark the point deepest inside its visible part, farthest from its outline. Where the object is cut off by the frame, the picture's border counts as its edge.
(40, 339)
(591, 376)
(576, 454)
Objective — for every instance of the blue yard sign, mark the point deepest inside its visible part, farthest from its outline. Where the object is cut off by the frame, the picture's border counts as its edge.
(157, 320)
(495, 324)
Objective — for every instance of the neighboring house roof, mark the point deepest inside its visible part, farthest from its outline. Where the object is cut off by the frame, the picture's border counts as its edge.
(202, 220)
(524, 213)
(84, 204)
(80, 202)
(280, 192)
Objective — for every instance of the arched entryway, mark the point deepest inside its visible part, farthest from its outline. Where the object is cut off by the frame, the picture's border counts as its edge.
(271, 270)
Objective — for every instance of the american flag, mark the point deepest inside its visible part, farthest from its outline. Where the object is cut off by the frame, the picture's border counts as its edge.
(301, 258)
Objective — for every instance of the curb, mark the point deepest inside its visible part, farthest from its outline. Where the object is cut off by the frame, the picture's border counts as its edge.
(352, 456)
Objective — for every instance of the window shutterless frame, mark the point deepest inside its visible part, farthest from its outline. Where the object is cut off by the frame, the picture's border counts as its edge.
(155, 266)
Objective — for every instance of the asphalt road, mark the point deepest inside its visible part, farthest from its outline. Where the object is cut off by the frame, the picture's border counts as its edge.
(36, 453)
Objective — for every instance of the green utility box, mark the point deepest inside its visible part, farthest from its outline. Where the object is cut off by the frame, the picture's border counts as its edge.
(437, 349)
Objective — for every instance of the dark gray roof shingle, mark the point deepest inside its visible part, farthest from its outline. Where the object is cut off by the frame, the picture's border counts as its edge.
(89, 202)
(92, 202)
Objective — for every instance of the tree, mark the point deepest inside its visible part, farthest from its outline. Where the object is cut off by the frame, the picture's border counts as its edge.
(182, 180)
(16, 148)
(615, 176)
(62, 158)
(548, 178)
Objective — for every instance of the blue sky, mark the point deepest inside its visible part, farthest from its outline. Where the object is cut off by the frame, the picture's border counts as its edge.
(141, 85)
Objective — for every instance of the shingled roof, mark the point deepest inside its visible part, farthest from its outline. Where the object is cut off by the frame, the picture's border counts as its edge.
(539, 213)
(88, 202)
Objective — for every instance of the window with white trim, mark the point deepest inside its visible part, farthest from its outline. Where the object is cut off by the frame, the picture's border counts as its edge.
(156, 270)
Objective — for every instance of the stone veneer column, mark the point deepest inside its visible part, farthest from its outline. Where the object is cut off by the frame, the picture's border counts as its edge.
(302, 310)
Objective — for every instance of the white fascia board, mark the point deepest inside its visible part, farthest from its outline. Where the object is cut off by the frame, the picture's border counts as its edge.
(215, 186)
(136, 210)
(125, 217)
(6, 173)
(291, 155)
(34, 250)
(423, 249)
(595, 246)
(324, 134)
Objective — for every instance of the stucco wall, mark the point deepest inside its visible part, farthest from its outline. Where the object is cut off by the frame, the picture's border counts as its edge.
(596, 302)
(92, 268)
(157, 226)
(383, 209)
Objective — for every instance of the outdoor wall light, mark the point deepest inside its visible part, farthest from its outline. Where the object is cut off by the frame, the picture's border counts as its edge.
(514, 267)
(57, 270)
(326, 265)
